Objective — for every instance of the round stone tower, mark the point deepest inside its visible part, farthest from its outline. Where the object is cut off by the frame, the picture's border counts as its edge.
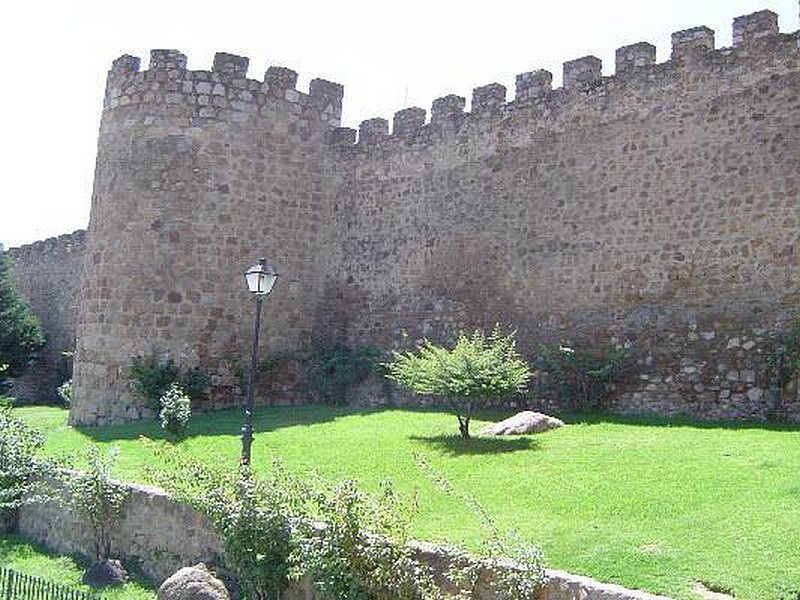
(198, 175)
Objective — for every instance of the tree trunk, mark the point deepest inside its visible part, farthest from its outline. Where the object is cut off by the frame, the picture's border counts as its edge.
(463, 426)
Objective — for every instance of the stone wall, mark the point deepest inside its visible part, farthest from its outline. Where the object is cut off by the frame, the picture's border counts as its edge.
(160, 535)
(658, 207)
(199, 174)
(48, 275)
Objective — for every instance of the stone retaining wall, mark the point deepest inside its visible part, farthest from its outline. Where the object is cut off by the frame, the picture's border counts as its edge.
(159, 535)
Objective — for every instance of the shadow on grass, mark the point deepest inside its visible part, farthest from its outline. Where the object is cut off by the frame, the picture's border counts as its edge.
(227, 422)
(652, 420)
(456, 445)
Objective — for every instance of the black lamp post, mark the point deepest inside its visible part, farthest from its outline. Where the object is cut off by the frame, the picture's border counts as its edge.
(260, 279)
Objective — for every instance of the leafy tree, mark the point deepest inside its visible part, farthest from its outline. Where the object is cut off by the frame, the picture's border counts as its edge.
(20, 332)
(96, 497)
(19, 463)
(476, 369)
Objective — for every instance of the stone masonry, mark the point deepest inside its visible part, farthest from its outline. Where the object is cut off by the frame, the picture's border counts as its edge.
(658, 207)
(48, 275)
(159, 535)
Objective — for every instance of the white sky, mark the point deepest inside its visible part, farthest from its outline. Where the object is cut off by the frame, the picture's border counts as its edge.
(389, 54)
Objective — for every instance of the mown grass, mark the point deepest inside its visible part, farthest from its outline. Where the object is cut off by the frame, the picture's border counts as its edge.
(645, 503)
(24, 557)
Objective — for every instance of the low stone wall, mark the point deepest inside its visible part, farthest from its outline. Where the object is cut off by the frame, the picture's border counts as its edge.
(159, 535)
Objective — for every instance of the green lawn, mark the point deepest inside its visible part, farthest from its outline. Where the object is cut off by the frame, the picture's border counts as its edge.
(25, 557)
(644, 503)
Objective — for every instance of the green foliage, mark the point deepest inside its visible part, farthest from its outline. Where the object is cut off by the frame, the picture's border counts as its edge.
(176, 410)
(783, 363)
(20, 446)
(153, 376)
(96, 498)
(527, 575)
(333, 369)
(20, 333)
(363, 551)
(477, 368)
(195, 382)
(580, 377)
(250, 514)
(64, 392)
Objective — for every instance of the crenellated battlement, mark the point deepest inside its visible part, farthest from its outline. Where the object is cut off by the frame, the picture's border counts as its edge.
(224, 92)
(757, 43)
(62, 244)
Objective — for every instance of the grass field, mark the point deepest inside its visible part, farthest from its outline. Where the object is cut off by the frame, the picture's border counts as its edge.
(644, 503)
(24, 557)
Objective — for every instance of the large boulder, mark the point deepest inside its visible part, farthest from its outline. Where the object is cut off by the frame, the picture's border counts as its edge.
(521, 423)
(105, 573)
(193, 583)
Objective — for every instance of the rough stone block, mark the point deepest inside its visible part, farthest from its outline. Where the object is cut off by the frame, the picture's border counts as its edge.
(533, 84)
(373, 130)
(629, 58)
(488, 98)
(447, 108)
(408, 121)
(582, 73)
(692, 41)
(754, 26)
(230, 66)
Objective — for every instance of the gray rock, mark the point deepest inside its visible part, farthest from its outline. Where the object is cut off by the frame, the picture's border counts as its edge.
(522, 423)
(105, 573)
(193, 583)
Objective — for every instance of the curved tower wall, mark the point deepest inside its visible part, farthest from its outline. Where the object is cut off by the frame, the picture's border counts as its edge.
(198, 175)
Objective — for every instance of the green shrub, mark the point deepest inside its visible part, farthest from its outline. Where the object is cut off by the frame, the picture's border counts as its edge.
(152, 376)
(20, 332)
(20, 445)
(476, 369)
(195, 383)
(522, 582)
(580, 377)
(96, 498)
(65, 392)
(176, 410)
(251, 516)
(334, 369)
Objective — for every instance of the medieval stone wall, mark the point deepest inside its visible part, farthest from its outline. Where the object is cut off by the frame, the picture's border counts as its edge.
(199, 174)
(658, 207)
(48, 275)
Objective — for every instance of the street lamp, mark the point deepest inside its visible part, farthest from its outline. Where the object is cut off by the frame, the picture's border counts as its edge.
(260, 279)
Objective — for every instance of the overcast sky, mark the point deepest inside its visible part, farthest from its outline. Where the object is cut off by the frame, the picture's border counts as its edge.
(389, 54)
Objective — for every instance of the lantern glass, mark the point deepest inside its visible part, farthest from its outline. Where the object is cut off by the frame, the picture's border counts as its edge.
(260, 278)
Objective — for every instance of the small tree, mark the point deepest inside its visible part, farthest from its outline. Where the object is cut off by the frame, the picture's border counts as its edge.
(95, 497)
(20, 332)
(176, 410)
(20, 445)
(476, 369)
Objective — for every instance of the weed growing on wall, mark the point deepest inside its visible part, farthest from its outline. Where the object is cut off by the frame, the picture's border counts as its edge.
(334, 369)
(476, 369)
(783, 363)
(152, 376)
(580, 377)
